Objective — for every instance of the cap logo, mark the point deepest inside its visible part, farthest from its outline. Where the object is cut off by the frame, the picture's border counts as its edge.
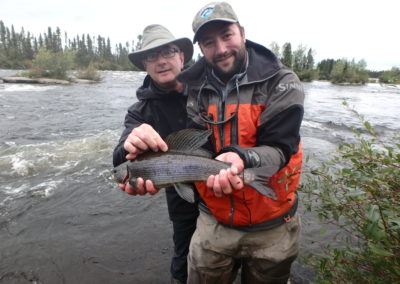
(207, 12)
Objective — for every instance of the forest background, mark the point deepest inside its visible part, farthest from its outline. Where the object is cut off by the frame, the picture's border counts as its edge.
(53, 53)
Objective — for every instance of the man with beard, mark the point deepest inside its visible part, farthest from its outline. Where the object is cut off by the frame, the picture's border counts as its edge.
(161, 110)
(254, 105)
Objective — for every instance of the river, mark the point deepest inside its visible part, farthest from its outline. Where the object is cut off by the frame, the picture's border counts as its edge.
(62, 220)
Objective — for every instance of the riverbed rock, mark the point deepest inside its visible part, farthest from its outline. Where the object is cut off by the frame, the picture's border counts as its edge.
(26, 80)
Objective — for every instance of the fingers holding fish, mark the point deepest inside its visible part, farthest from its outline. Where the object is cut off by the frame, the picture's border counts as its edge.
(216, 187)
(143, 187)
(228, 180)
(144, 137)
(234, 179)
(127, 188)
(210, 182)
(224, 182)
(151, 189)
(234, 159)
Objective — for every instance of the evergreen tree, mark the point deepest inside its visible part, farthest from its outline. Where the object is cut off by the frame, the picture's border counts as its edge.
(41, 42)
(48, 39)
(287, 57)
(28, 51)
(310, 60)
(139, 42)
(57, 42)
(2, 34)
(35, 46)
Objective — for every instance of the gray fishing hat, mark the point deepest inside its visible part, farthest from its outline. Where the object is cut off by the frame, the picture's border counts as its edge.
(214, 11)
(155, 36)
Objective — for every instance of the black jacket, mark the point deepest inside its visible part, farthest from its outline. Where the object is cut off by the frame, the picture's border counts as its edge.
(164, 111)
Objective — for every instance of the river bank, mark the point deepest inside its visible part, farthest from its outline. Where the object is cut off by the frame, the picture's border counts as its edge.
(46, 81)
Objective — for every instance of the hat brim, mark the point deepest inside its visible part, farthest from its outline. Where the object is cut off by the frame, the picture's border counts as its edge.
(184, 44)
(196, 35)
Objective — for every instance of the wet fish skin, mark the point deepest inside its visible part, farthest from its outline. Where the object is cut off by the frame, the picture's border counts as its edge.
(185, 162)
(169, 168)
(166, 169)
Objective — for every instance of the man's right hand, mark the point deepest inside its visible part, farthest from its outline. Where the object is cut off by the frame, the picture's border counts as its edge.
(141, 187)
(142, 139)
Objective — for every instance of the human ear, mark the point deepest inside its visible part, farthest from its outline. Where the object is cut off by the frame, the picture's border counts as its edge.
(182, 58)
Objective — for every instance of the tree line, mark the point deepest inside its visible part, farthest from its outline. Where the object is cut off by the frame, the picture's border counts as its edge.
(18, 50)
(338, 71)
(52, 53)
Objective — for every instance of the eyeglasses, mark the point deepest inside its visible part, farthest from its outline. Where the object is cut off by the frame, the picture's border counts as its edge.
(166, 53)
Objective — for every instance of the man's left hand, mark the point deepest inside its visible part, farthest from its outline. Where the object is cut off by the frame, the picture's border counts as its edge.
(227, 180)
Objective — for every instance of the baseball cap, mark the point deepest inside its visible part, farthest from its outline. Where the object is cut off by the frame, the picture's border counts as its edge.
(214, 11)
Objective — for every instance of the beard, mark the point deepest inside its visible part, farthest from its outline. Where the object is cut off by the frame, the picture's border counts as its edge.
(236, 68)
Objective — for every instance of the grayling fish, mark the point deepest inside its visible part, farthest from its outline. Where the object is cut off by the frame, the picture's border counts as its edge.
(184, 163)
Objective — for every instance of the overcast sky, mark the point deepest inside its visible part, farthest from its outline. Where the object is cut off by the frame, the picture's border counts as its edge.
(335, 29)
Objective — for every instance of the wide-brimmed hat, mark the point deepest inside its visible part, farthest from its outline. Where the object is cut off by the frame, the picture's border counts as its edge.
(214, 11)
(155, 36)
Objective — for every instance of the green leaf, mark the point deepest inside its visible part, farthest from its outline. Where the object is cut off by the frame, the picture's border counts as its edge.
(379, 251)
(323, 230)
(373, 213)
(355, 193)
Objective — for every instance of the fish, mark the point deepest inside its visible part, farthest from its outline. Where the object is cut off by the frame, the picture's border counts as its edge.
(186, 162)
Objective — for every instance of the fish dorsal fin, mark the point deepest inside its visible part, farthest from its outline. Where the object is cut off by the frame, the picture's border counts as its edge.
(187, 139)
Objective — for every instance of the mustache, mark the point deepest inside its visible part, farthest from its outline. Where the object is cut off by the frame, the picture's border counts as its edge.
(223, 55)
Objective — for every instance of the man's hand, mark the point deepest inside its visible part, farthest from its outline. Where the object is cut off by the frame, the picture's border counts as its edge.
(142, 139)
(141, 187)
(227, 180)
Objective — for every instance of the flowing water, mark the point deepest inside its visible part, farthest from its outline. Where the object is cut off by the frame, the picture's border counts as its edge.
(62, 220)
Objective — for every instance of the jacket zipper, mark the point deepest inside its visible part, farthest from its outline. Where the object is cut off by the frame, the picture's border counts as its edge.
(222, 115)
(248, 209)
(232, 210)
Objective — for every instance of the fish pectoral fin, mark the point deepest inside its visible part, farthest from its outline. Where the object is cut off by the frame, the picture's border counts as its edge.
(185, 191)
(264, 189)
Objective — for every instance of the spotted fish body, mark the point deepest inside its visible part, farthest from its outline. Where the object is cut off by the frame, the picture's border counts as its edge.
(185, 162)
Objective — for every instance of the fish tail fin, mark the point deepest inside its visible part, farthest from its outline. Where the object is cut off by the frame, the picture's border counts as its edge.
(258, 178)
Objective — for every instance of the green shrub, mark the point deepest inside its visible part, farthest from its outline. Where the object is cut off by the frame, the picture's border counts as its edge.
(358, 191)
(391, 76)
(51, 64)
(90, 73)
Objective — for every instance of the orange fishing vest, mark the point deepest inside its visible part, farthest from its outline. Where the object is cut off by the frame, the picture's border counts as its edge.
(246, 206)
